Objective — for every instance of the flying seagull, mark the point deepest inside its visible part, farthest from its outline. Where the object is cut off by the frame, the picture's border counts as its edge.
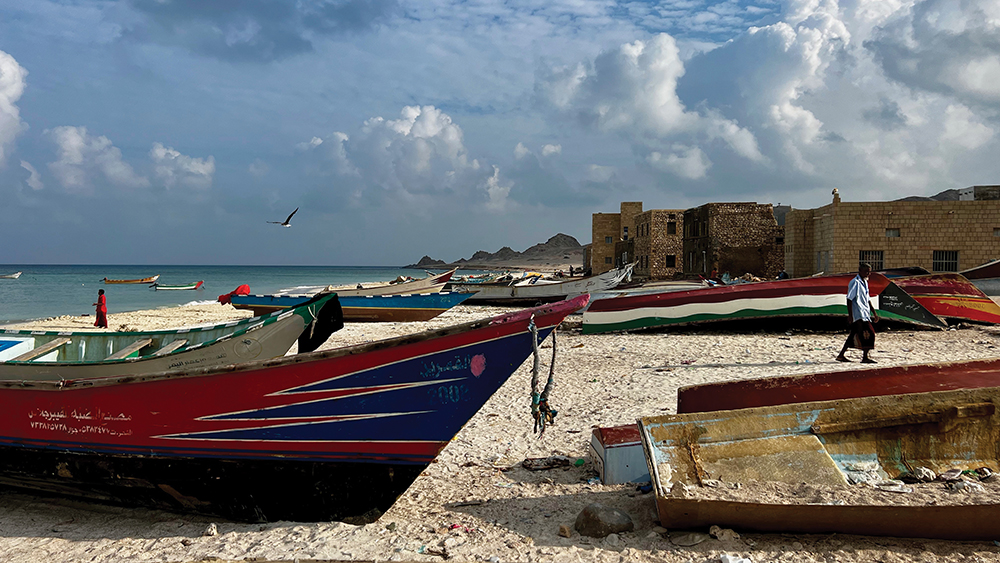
(287, 222)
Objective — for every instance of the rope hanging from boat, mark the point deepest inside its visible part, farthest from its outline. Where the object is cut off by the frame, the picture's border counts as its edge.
(540, 410)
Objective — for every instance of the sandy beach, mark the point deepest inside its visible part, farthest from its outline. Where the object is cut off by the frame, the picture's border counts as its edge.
(476, 502)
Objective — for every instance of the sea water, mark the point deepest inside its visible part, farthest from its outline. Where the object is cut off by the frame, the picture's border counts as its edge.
(45, 291)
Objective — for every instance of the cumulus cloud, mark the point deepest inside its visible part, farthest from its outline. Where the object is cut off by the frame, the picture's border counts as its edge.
(549, 150)
(632, 91)
(943, 46)
(258, 168)
(686, 162)
(178, 170)
(310, 144)
(496, 190)
(82, 158)
(12, 83)
(34, 178)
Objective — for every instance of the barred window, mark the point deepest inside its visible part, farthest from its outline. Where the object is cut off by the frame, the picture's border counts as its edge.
(608, 240)
(892, 233)
(607, 259)
(874, 258)
(945, 261)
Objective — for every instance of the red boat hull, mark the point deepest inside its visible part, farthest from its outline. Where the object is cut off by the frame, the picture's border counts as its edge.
(951, 296)
(243, 440)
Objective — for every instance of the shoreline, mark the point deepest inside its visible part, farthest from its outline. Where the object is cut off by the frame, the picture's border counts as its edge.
(476, 501)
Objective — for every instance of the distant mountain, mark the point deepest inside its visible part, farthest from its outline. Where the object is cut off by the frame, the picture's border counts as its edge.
(947, 195)
(560, 249)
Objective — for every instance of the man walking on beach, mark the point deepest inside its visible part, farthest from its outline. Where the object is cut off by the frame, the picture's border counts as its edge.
(862, 333)
(102, 310)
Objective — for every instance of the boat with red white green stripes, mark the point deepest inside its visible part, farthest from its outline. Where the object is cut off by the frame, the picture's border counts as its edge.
(801, 297)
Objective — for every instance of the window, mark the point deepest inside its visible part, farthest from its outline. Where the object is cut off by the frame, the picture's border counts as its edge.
(892, 233)
(671, 261)
(609, 240)
(779, 240)
(672, 216)
(996, 231)
(945, 261)
(704, 228)
(672, 229)
(874, 258)
(607, 259)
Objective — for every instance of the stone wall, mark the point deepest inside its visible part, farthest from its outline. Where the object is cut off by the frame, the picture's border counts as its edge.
(605, 231)
(903, 233)
(737, 238)
(659, 242)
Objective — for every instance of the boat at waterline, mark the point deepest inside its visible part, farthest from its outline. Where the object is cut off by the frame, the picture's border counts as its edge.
(34, 356)
(537, 291)
(320, 436)
(161, 287)
(985, 276)
(848, 384)
(370, 308)
(433, 283)
(13, 276)
(799, 297)
(148, 280)
(816, 450)
(951, 297)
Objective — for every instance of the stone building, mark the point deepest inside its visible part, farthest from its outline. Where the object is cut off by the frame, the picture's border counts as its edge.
(738, 238)
(652, 239)
(940, 236)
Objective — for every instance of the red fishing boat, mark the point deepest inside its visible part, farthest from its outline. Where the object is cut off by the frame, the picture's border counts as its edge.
(325, 435)
(951, 297)
(896, 380)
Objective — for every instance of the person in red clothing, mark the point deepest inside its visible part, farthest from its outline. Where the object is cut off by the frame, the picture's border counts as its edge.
(102, 310)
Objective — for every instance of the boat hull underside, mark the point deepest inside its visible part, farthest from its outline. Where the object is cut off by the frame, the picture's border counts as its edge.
(236, 489)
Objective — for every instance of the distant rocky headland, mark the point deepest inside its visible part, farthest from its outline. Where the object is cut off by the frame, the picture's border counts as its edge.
(558, 253)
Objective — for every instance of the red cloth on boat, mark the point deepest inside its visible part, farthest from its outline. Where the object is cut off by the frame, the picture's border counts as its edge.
(243, 289)
(102, 312)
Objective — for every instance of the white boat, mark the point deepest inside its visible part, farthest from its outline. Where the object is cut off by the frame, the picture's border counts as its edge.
(13, 276)
(520, 292)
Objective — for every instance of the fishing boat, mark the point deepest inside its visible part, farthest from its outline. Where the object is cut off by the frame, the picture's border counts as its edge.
(161, 287)
(370, 308)
(800, 297)
(140, 280)
(986, 277)
(434, 283)
(536, 290)
(13, 276)
(810, 453)
(828, 386)
(319, 436)
(951, 297)
(39, 356)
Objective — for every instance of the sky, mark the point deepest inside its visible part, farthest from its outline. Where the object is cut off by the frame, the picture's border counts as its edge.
(171, 131)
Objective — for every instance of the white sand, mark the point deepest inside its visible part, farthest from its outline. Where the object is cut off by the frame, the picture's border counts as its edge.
(512, 515)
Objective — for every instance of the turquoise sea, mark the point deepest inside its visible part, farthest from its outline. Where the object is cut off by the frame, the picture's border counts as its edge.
(51, 290)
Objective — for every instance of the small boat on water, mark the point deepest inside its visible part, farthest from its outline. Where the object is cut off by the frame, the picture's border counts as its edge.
(536, 290)
(985, 276)
(318, 436)
(799, 297)
(951, 297)
(370, 308)
(13, 276)
(828, 386)
(809, 454)
(38, 356)
(161, 287)
(140, 280)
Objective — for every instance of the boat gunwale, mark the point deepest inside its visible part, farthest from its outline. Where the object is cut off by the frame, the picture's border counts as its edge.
(261, 322)
(315, 356)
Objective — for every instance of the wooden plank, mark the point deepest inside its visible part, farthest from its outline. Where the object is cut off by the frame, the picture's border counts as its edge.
(131, 348)
(173, 345)
(42, 350)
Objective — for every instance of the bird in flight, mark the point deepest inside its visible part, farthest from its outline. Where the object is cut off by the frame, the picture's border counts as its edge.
(286, 222)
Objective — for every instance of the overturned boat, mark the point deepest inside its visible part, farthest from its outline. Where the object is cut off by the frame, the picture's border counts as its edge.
(800, 297)
(812, 452)
(320, 436)
(367, 308)
(951, 297)
(535, 290)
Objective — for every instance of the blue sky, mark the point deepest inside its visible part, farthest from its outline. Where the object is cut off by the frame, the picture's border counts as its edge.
(170, 131)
